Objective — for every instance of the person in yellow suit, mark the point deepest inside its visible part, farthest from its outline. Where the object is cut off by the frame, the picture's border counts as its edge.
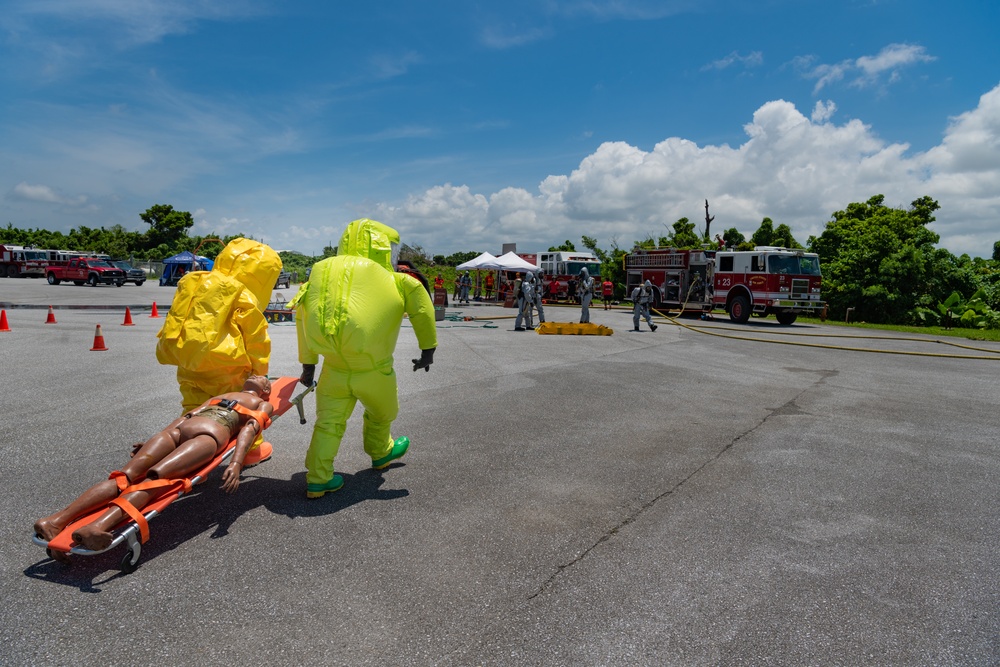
(350, 312)
(215, 332)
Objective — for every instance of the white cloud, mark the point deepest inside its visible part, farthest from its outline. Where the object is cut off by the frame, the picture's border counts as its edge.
(44, 194)
(885, 67)
(386, 66)
(506, 37)
(129, 23)
(222, 225)
(752, 59)
(629, 10)
(791, 168)
(891, 58)
(963, 174)
(823, 111)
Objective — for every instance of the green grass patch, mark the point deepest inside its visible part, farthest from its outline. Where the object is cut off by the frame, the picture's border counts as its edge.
(969, 334)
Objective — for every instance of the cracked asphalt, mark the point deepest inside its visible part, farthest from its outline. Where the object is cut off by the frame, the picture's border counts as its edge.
(667, 498)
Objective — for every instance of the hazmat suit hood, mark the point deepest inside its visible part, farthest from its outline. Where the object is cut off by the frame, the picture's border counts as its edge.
(373, 240)
(253, 264)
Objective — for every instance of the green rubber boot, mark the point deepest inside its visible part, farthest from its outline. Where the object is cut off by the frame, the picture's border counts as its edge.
(320, 490)
(399, 448)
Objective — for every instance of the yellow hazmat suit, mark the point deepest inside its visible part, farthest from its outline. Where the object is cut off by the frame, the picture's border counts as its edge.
(350, 312)
(215, 332)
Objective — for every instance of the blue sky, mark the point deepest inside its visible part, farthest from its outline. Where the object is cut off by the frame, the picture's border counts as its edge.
(471, 124)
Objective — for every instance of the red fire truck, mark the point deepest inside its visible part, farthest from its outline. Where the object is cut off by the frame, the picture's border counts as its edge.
(562, 270)
(17, 261)
(761, 281)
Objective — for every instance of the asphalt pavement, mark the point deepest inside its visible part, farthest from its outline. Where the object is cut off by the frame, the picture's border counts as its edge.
(706, 494)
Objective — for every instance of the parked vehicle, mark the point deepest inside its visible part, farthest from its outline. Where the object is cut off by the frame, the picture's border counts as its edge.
(760, 282)
(284, 279)
(562, 270)
(132, 274)
(19, 261)
(86, 270)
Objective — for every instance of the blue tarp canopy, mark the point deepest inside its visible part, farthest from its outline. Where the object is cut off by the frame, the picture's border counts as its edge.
(176, 266)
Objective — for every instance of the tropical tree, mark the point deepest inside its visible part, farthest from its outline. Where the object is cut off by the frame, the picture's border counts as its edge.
(683, 235)
(783, 238)
(733, 238)
(612, 266)
(764, 234)
(166, 226)
(882, 262)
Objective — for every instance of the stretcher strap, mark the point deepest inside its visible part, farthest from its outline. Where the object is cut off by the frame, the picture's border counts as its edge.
(136, 515)
(262, 418)
(121, 479)
(124, 486)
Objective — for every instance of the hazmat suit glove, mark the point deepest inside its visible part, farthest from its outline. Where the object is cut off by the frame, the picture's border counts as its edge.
(308, 374)
(425, 360)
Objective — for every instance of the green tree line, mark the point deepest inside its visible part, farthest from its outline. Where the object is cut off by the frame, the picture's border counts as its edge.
(881, 261)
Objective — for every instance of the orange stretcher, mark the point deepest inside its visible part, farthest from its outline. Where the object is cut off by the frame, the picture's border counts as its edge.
(134, 529)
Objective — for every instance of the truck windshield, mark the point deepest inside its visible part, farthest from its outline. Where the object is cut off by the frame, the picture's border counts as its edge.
(593, 268)
(793, 264)
(100, 263)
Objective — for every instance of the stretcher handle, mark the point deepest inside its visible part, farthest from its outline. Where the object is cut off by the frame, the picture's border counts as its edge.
(297, 402)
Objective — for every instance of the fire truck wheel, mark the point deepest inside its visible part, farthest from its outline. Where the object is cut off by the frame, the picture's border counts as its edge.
(52, 279)
(786, 318)
(12, 271)
(92, 280)
(739, 310)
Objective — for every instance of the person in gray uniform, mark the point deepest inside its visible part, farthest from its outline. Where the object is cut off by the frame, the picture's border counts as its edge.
(585, 290)
(642, 297)
(526, 301)
(538, 285)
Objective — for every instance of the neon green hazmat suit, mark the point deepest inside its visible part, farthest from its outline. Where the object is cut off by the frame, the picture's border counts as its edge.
(215, 332)
(350, 312)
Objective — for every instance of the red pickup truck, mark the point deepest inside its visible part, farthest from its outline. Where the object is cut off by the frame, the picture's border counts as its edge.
(85, 270)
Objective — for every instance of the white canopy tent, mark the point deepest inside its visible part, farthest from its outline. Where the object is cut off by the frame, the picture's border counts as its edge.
(512, 262)
(486, 262)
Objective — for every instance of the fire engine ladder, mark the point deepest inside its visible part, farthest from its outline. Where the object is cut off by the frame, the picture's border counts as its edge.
(657, 261)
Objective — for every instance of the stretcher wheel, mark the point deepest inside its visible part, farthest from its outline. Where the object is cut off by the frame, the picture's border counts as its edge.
(127, 566)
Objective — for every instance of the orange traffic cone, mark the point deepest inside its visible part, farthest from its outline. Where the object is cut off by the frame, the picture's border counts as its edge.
(98, 341)
(51, 319)
(3, 321)
(155, 312)
(128, 318)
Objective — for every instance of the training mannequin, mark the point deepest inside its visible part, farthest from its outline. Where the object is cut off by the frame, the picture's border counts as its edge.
(185, 445)
(350, 312)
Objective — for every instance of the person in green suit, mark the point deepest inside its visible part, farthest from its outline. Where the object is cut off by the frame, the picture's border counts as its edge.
(350, 313)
